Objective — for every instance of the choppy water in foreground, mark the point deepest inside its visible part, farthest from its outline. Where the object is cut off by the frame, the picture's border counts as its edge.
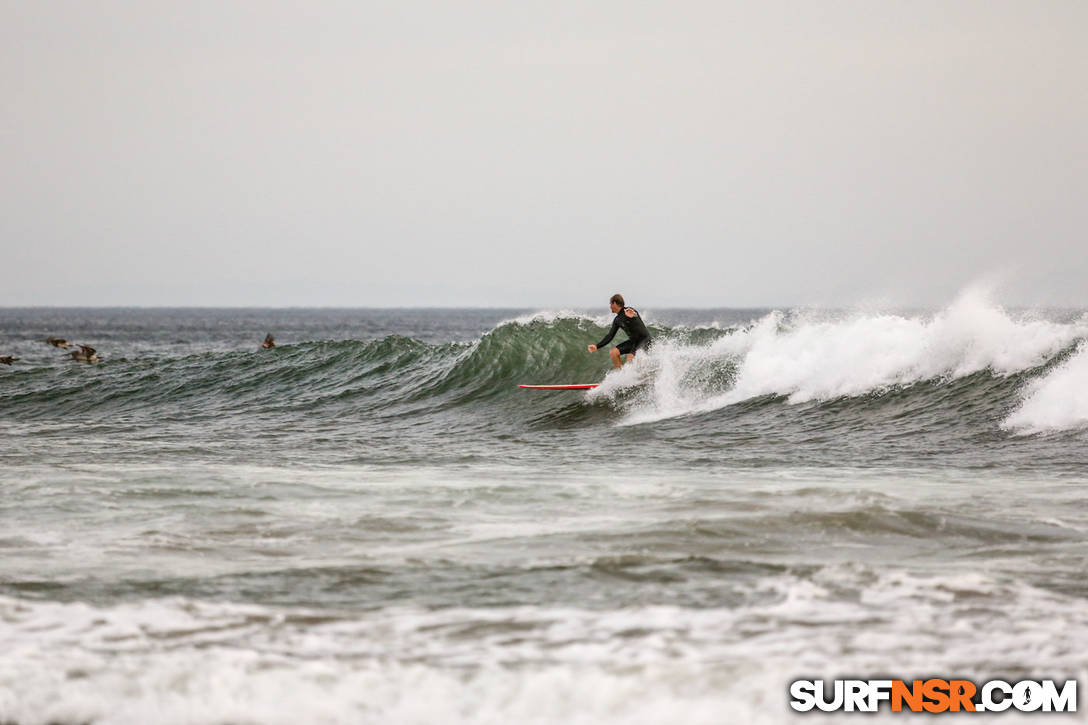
(372, 523)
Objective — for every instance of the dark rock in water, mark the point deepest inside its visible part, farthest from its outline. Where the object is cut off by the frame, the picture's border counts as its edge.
(269, 341)
(57, 342)
(85, 354)
(7, 359)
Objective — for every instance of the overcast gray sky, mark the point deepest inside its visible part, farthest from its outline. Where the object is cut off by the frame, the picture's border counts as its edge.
(531, 154)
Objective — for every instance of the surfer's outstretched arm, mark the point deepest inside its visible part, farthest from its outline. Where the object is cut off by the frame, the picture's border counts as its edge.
(608, 338)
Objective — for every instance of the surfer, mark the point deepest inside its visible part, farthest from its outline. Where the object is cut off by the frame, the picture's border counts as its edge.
(85, 354)
(7, 359)
(269, 342)
(638, 337)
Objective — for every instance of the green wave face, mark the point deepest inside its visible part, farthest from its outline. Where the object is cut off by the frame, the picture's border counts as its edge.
(390, 371)
(771, 390)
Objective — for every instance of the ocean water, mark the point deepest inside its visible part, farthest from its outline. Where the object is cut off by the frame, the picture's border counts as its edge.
(371, 523)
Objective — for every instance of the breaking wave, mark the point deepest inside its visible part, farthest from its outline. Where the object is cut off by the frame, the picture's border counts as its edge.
(805, 357)
(1030, 371)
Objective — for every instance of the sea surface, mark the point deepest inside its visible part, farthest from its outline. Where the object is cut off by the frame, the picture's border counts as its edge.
(371, 522)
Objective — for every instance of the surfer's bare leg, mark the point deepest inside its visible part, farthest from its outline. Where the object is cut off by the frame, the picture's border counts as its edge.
(631, 357)
(615, 355)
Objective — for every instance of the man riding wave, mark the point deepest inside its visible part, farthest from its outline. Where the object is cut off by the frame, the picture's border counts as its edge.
(627, 318)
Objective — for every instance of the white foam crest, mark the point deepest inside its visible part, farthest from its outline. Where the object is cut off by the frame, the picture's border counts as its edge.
(550, 316)
(808, 356)
(1058, 401)
(686, 327)
(628, 376)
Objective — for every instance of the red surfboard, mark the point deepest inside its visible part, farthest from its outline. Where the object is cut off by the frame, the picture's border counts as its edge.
(579, 386)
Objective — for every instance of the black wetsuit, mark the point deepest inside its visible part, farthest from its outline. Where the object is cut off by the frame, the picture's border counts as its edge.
(638, 337)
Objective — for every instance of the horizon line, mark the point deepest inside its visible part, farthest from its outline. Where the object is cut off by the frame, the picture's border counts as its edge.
(542, 308)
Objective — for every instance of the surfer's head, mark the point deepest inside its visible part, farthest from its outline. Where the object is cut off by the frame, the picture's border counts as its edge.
(616, 303)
